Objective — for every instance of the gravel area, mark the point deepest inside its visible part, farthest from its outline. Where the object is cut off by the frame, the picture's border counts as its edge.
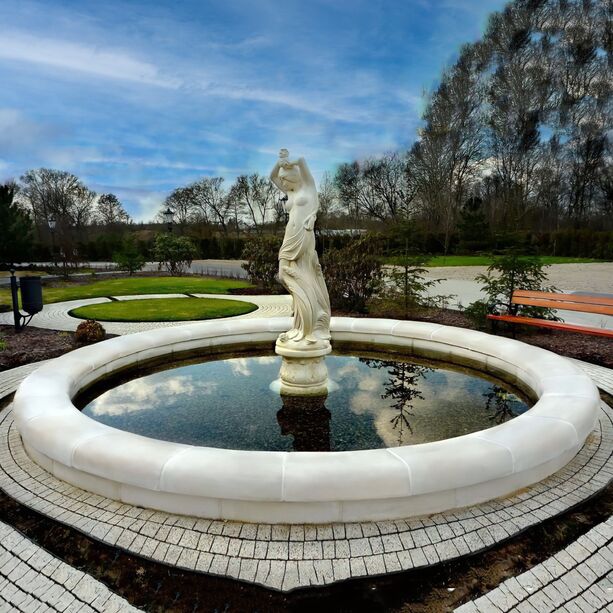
(596, 277)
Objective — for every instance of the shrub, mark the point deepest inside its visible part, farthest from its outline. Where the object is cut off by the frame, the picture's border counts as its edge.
(353, 274)
(514, 272)
(129, 258)
(89, 331)
(174, 253)
(262, 255)
(477, 312)
(407, 285)
(2, 344)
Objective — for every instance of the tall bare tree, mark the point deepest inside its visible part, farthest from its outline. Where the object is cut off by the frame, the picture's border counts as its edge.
(110, 212)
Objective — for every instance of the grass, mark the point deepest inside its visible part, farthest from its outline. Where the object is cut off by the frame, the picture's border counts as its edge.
(132, 286)
(164, 309)
(485, 260)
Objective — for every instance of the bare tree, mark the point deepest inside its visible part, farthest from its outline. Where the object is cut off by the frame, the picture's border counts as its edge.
(110, 212)
(211, 201)
(59, 195)
(256, 196)
(182, 202)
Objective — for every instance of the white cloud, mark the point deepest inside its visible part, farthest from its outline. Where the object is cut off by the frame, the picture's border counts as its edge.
(149, 205)
(240, 367)
(18, 133)
(76, 56)
(143, 394)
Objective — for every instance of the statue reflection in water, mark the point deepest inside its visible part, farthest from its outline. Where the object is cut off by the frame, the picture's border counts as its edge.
(307, 419)
(401, 389)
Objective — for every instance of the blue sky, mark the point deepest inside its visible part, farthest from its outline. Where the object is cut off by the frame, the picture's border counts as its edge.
(137, 98)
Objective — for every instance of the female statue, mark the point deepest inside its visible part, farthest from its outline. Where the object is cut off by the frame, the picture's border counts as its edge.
(299, 268)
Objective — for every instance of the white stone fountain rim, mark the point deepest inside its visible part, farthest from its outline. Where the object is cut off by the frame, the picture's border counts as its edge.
(295, 487)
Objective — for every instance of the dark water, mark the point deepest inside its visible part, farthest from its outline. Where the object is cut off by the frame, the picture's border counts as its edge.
(378, 403)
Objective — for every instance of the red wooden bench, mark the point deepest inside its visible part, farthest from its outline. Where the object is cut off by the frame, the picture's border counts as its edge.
(600, 305)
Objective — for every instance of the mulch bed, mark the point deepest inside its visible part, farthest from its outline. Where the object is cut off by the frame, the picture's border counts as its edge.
(594, 349)
(33, 345)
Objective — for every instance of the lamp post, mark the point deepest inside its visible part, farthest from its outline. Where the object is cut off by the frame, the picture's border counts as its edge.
(52, 223)
(168, 218)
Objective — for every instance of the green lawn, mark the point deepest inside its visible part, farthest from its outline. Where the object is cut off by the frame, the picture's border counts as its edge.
(133, 285)
(485, 260)
(164, 309)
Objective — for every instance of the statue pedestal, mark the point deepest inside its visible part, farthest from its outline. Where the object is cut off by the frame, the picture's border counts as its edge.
(303, 370)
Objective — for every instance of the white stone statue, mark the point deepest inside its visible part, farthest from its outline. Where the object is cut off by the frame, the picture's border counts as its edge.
(299, 268)
(303, 371)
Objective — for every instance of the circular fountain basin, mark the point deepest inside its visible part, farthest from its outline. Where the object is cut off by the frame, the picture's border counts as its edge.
(308, 487)
(227, 401)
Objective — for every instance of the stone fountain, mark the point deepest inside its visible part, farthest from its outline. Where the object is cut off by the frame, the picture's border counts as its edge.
(306, 486)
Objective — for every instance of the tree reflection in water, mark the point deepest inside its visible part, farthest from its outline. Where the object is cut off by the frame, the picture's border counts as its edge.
(402, 388)
(503, 404)
(307, 419)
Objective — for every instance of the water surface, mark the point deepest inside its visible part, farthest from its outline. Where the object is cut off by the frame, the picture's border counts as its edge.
(378, 403)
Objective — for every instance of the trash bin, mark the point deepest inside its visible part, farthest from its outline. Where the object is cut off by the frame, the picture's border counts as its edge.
(31, 295)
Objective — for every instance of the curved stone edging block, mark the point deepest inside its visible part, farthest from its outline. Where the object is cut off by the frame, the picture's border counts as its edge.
(299, 487)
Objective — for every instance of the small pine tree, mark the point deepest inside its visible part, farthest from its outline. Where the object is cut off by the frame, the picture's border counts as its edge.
(129, 258)
(407, 283)
(513, 272)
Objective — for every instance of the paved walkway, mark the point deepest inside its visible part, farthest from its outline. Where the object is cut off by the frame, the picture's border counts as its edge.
(283, 557)
(31, 579)
(578, 579)
(55, 316)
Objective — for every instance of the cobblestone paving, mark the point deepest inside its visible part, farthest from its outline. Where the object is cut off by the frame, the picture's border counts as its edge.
(55, 316)
(31, 579)
(286, 557)
(577, 579)
(602, 377)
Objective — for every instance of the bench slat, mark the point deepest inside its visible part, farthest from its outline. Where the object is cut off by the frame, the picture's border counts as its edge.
(600, 300)
(566, 306)
(555, 325)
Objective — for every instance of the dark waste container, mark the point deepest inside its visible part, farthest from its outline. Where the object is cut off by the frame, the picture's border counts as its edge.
(31, 295)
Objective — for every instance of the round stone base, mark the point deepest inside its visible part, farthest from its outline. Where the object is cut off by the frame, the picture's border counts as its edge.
(303, 376)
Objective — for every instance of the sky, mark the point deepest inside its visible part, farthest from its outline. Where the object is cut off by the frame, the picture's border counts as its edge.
(140, 97)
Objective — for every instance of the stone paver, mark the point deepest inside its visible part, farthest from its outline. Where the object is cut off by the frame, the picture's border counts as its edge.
(366, 549)
(578, 578)
(55, 316)
(31, 579)
(602, 377)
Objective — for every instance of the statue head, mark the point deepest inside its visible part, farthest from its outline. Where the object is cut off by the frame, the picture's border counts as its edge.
(289, 173)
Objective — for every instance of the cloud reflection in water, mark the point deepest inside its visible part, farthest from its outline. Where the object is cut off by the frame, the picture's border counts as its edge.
(228, 403)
